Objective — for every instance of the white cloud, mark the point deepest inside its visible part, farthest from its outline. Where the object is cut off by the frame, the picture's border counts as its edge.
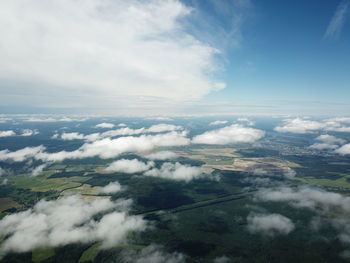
(344, 150)
(106, 148)
(218, 123)
(222, 259)
(38, 170)
(175, 171)
(118, 132)
(105, 125)
(72, 136)
(246, 120)
(4, 181)
(3, 120)
(163, 127)
(336, 24)
(152, 254)
(162, 155)
(328, 142)
(324, 146)
(122, 125)
(68, 220)
(340, 119)
(299, 125)
(111, 188)
(231, 134)
(7, 133)
(159, 118)
(305, 197)
(51, 119)
(320, 201)
(116, 49)
(270, 225)
(21, 155)
(330, 139)
(129, 166)
(29, 132)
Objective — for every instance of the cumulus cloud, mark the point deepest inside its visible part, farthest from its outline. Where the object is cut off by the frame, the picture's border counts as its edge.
(118, 132)
(72, 136)
(299, 125)
(327, 142)
(129, 166)
(159, 118)
(4, 181)
(344, 150)
(21, 155)
(3, 119)
(51, 119)
(340, 119)
(29, 132)
(38, 170)
(305, 197)
(164, 127)
(320, 201)
(218, 123)
(7, 133)
(109, 45)
(105, 125)
(121, 125)
(105, 148)
(330, 139)
(269, 224)
(111, 188)
(235, 133)
(152, 254)
(246, 120)
(68, 220)
(302, 126)
(162, 155)
(175, 171)
(222, 259)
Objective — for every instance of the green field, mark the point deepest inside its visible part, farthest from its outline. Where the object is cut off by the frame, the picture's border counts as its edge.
(42, 183)
(40, 255)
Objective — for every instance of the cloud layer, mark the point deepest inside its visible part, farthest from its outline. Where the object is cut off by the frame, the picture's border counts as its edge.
(175, 171)
(105, 148)
(270, 225)
(66, 221)
(158, 128)
(129, 166)
(109, 45)
(111, 188)
(301, 126)
(235, 133)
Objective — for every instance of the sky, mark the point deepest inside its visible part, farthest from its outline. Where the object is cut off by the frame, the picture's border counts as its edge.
(175, 57)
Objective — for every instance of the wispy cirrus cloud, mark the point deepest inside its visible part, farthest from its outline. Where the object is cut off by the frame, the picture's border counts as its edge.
(337, 22)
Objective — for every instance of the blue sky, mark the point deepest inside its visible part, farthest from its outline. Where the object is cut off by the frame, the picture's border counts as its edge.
(170, 57)
(285, 56)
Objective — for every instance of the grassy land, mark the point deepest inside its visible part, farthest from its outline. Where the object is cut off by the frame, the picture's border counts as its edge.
(340, 183)
(85, 189)
(7, 203)
(42, 183)
(40, 255)
(91, 253)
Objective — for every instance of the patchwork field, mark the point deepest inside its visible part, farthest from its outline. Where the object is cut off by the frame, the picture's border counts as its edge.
(227, 159)
(7, 203)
